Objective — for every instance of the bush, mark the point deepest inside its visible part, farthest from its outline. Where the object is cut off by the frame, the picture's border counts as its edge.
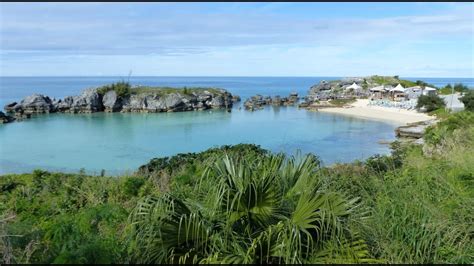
(132, 185)
(459, 87)
(442, 130)
(430, 102)
(468, 100)
(122, 88)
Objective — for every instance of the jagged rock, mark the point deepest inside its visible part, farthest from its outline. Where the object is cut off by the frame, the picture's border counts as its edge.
(414, 130)
(111, 101)
(135, 103)
(36, 104)
(88, 102)
(155, 103)
(64, 105)
(217, 102)
(276, 100)
(91, 101)
(13, 107)
(236, 98)
(5, 118)
(174, 102)
(321, 86)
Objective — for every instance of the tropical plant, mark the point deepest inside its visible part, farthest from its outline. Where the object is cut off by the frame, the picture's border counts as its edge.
(249, 210)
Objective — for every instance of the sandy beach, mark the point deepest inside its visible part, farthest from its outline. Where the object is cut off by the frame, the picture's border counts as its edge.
(360, 108)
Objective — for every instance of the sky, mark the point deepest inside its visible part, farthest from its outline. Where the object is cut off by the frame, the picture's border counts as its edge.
(237, 39)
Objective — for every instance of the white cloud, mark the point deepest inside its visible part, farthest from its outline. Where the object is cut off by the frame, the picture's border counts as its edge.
(200, 41)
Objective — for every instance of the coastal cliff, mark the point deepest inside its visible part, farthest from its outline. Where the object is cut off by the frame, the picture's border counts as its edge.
(120, 97)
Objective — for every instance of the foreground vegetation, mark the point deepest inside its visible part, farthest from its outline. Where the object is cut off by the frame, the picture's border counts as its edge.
(242, 204)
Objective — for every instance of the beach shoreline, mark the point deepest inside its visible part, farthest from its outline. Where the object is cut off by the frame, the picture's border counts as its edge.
(361, 109)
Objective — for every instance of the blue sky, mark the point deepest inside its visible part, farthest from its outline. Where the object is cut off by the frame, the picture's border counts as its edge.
(237, 39)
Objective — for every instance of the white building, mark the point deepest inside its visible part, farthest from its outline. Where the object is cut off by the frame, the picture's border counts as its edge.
(354, 87)
(429, 91)
(413, 92)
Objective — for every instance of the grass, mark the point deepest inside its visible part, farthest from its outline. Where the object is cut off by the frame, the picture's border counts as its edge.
(168, 90)
(386, 80)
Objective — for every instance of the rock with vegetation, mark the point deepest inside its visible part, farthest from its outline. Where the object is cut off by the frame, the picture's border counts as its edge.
(336, 89)
(121, 97)
(414, 130)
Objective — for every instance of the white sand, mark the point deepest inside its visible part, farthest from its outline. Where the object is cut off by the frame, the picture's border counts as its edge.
(394, 115)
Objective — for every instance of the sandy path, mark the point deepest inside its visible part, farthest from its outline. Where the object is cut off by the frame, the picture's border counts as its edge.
(394, 115)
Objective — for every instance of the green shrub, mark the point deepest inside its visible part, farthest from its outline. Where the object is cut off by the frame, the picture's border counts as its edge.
(442, 130)
(430, 102)
(122, 88)
(132, 185)
(468, 100)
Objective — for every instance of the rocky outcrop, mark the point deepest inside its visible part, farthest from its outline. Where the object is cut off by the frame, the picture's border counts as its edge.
(33, 104)
(90, 100)
(258, 101)
(135, 103)
(5, 118)
(414, 130)
(112, 102)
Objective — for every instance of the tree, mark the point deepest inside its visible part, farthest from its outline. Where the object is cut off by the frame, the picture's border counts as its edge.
(430, 102)
(459, 87)
(421, 83)
(468, 100)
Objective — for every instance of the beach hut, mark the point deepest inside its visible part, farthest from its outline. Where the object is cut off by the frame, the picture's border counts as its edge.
(354, 87)
(378, 92)
(398, 93)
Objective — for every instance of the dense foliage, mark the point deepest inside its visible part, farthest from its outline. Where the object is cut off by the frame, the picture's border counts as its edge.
(430, 102)
(468, 100)
(243, 204)
(122, 88)
(458, 87)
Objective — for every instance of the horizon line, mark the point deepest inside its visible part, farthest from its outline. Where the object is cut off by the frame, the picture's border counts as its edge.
(223, 76)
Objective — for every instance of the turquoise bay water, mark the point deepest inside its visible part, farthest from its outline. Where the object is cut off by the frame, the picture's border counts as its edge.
(122, 142)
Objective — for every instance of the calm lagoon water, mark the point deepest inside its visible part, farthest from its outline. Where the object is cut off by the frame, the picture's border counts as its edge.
(121, 142)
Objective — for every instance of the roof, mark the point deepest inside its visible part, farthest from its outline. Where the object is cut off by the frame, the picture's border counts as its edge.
(414, 88)
(398, 88)
(354, 86)
(378, 88)
(430, 89)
